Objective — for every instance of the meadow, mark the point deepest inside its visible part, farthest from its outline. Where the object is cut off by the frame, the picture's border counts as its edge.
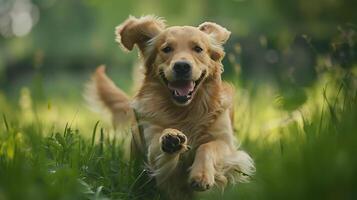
(305, 154)
(295, 75)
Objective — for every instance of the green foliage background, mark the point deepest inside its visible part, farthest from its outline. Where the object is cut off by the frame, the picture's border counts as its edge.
(293, 64)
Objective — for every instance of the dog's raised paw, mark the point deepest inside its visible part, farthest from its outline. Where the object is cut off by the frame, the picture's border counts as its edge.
(173, 141)
(201, 182)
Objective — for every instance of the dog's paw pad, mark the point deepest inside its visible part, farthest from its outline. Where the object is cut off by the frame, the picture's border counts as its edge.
(201, 183)
(173, 141)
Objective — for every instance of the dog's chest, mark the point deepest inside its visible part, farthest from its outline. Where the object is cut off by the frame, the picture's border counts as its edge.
(193, 121)
(194, 127)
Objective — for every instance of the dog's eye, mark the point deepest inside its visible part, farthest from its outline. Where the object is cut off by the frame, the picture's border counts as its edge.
(197, 49)
(167, 49)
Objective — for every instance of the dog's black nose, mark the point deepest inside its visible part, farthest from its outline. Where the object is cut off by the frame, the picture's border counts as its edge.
(182, 69)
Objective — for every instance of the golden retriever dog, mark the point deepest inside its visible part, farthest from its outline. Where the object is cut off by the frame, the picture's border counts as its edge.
(183, 109)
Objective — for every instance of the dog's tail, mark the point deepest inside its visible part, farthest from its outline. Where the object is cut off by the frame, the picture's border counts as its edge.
(102, 92)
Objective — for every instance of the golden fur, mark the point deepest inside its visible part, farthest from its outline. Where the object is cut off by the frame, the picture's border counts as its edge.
(202, 124)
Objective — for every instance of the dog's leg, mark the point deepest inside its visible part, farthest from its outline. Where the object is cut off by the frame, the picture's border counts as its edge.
(218, 160)
(164, 152)
(203, 170)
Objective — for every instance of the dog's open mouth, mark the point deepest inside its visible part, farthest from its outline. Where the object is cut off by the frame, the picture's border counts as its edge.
(182, 91)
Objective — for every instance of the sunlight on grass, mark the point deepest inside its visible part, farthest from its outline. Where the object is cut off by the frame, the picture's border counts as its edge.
(296, 151)
(293, 63)
(53, 113)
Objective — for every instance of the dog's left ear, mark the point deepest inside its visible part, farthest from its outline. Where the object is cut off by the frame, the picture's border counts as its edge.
(219, 35)
(138, 31)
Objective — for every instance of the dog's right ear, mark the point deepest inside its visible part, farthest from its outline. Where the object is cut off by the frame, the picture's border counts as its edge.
(138, 31)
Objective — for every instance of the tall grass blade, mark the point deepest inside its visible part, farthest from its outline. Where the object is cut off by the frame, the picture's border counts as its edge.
(94, 132)
(5, 122)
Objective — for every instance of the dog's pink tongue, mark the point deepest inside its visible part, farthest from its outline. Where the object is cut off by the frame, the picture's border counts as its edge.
(182, 88)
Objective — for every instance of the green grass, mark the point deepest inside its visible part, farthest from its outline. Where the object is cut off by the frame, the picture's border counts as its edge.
(64, 165)
(311, 156)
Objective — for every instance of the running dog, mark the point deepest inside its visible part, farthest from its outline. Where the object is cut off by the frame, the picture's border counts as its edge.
(183, 107)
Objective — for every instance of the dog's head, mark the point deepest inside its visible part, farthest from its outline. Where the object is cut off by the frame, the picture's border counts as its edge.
(180, 57)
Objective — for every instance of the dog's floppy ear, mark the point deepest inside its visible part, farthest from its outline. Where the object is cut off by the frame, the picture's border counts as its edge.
(138, 31)
(217, 32)
(219, 35)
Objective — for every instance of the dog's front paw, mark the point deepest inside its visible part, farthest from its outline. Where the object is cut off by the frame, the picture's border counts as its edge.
(173, 141)
(201, 181)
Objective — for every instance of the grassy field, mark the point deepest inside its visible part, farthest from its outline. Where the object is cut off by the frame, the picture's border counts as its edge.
(294, 65)
(58, 151)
